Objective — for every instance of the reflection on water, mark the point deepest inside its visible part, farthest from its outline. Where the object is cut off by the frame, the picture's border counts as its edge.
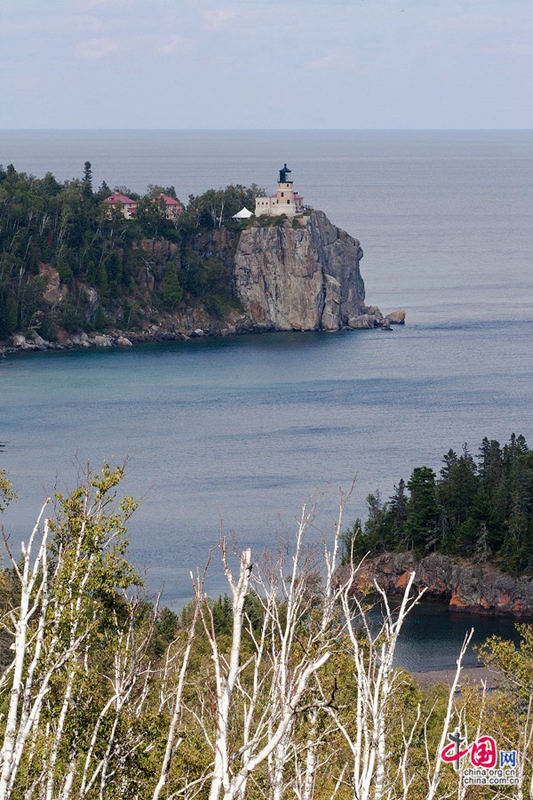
(432, 635)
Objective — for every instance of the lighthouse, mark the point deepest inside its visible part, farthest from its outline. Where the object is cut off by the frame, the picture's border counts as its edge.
(285, 201)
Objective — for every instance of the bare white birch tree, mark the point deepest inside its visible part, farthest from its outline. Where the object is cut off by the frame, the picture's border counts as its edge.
(369, 733)
(264, 690)
(23, 707)
(265, 700)
(176, 661)
(58, 583)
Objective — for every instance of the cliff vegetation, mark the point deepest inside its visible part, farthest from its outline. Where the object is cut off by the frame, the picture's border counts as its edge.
(73, 267)
(69, 262)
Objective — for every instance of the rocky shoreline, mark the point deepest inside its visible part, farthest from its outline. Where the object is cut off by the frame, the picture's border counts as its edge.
(282, 277)
(80, 341)
(19, 342)
(464, 585)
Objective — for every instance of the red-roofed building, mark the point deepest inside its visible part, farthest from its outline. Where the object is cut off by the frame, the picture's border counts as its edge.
(125, 204)
(172, 207)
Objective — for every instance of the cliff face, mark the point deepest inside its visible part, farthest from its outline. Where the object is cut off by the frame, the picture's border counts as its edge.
(464, 586)
(299, 278)
(301, 274)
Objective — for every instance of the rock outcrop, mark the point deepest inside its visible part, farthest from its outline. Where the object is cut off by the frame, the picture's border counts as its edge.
(53, 292)
(301, 274)
(463, 585)
(303, 277)
(395, 318)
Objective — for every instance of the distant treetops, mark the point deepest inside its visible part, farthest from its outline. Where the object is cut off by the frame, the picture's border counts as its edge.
(478, 508)
(286, 201)
(74, 259)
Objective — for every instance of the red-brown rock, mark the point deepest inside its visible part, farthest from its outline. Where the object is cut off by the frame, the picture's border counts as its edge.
(464, 585)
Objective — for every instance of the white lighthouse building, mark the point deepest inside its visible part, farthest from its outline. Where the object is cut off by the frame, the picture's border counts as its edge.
(285, 201)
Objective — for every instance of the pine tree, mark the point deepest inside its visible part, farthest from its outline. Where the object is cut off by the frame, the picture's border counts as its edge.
(100, 319)
(423, 512)
(375, 526)
(87, 183)
(397, 516)
(171, 289)
(483, 552)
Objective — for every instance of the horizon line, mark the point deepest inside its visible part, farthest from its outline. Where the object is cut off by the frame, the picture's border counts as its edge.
(270, 130)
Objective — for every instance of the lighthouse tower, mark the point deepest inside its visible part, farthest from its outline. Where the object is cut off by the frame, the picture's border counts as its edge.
(285, 201)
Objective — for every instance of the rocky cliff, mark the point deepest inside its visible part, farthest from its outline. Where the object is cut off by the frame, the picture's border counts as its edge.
(276, 274)
(463, 585)
(302, 276)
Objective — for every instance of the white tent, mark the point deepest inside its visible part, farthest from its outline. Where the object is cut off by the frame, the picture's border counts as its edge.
(243, 214)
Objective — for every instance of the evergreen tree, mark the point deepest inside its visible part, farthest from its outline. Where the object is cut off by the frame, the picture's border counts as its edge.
(87, 183)
(354, 546)
(483, 552)
(456, 492)
(397, 516)
(375, 526)
(422, 512)
(450, 461)
(171, 289)
(100, 319)
(103, 192)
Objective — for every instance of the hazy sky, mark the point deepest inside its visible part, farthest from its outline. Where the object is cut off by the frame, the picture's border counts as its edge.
(269, 64)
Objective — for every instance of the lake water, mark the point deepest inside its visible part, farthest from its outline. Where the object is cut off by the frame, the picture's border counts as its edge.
(247, 428)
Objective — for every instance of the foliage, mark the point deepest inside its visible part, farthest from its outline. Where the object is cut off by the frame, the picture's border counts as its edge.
(215, 208)
(271, 220)
(514, 661)
(171, 289)
(482, 511)
(7, 494)
(151, 263)
(104, 694)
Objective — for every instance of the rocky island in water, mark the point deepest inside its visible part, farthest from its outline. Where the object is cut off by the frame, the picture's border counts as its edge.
(85, 268)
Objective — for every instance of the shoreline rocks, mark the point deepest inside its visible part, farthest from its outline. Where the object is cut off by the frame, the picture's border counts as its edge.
(373, 318)
(395, 318)
(21, 343)
(465, 586)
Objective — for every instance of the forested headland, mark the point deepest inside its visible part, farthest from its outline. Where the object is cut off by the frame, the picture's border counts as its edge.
(70, 262)
(282, 688)
(478, 508)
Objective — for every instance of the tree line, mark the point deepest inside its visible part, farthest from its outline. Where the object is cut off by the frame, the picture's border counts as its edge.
(478, 508)
(282, 688)
(108, 274)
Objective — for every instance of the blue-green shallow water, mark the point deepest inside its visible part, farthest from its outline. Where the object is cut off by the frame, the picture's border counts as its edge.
(248, 427)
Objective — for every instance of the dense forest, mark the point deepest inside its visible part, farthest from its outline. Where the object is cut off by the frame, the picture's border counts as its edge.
(112, 271)
(283, 688)
(478, 508)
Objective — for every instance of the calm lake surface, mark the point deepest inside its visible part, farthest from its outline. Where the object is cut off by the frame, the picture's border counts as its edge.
(247, 428)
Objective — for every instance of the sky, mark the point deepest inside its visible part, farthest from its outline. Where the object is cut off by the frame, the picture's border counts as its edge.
(271, 64)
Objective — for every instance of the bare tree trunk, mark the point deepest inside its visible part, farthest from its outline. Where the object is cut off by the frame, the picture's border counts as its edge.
(226, 683)
(33, 601)
(310, 761)
(435, 778)
(177, 710)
